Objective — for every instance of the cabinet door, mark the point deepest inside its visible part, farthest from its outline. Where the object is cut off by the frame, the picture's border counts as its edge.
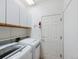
(52, 37)
(23, 17)
(12, 12)
(2, 11)
(29, 21)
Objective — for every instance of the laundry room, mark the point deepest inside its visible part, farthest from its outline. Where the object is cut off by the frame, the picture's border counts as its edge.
(38, 29)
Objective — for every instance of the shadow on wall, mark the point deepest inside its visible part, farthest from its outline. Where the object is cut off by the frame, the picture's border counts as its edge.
(7, 33)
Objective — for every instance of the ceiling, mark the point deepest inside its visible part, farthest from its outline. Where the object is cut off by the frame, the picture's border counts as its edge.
(36, 2)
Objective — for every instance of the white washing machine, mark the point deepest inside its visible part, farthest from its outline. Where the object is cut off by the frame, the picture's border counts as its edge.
(15, 51)
(35, 44)
(25, 53)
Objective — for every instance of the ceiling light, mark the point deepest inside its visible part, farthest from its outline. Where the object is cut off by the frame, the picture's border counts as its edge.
(30, 2)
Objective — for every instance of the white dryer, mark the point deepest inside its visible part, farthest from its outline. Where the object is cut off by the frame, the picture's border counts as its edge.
(35, 44)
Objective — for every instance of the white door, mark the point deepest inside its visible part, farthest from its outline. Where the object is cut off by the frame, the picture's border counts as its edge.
(52, 37)
(2, 11)
(12, 12)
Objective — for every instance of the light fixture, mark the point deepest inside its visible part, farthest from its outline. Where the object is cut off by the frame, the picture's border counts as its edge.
(30, 2)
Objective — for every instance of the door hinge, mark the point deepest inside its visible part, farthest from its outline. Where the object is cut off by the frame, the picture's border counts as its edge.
(61, 56)
(61, 19)
(61, 37)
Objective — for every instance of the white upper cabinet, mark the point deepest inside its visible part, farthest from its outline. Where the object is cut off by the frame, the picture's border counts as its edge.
(29, 21)
(2, 11)
(23, 17)
(12, 12)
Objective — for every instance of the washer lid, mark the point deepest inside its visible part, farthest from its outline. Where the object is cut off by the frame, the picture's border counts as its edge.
(26, 52)
(30, 41)
(9, 50)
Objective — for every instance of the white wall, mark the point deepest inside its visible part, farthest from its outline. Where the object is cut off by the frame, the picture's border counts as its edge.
(7, 33)
(70, 31)
(43, 8)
